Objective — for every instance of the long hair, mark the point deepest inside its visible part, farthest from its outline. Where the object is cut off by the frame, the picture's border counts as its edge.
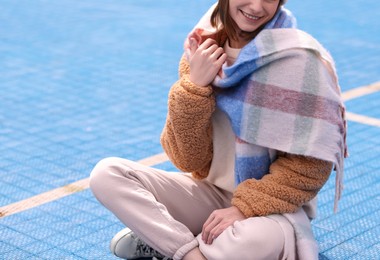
(221, 19)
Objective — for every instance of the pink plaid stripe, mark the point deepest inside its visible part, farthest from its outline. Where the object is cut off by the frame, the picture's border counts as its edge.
(292, 102)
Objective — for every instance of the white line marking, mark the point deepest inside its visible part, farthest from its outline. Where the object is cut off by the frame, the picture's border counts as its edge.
(361, 91)
(363, 119)
(65, 190)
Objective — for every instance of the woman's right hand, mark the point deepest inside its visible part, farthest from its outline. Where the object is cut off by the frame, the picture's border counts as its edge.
(205, 61)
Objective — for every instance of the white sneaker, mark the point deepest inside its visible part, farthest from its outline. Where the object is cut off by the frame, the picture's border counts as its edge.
(125, 244)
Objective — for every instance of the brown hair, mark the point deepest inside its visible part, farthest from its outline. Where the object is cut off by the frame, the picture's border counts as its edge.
(221, 15)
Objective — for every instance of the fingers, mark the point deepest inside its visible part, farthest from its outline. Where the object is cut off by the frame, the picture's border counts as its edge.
(218, 221)
(205, 62)
(193, 46)
(213, 52)
(206, 229)
(216, 54)
(212, 228)
(215, 232)
(222, 58)
(208, 234)
(207, 47)
(210, 48)
(207, 43)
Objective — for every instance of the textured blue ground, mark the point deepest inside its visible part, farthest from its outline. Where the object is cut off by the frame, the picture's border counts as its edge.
(83, 80)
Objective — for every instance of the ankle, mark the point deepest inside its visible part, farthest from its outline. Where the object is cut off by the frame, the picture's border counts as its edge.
(194, 254)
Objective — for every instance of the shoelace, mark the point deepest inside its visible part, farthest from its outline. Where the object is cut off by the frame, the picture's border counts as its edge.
(142, 249)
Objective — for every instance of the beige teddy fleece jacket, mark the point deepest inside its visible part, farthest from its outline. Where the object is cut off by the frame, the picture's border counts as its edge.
(292, 181)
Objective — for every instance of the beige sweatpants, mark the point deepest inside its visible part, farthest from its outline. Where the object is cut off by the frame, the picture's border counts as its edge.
(167, 211)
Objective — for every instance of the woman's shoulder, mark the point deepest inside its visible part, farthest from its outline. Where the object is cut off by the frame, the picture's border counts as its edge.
(283, 39)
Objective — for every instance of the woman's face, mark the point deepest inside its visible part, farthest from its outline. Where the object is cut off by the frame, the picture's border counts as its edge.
(250, 15)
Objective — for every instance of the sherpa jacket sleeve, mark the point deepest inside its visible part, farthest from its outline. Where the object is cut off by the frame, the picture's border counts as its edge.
(187, 135)
(292, 181)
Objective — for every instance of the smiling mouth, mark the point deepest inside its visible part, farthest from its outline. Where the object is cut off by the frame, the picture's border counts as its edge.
(249, 16)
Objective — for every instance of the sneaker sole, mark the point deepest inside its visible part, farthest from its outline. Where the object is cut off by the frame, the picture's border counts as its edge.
(115, 240)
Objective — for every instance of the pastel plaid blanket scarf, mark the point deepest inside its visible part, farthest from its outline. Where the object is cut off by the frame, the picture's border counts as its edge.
(281, 93)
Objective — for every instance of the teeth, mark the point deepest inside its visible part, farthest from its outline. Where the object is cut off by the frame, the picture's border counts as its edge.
(251, 16)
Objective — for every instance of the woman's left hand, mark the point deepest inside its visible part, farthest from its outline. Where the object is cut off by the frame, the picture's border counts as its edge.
(218, 221)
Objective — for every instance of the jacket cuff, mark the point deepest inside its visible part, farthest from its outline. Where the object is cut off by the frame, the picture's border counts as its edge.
(189, 86)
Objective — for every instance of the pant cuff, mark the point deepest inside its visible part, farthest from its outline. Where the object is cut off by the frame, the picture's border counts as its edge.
(185, 249)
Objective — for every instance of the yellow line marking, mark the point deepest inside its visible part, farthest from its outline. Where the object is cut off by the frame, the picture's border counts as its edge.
(361, 91)
(65, 190)
(363, 119)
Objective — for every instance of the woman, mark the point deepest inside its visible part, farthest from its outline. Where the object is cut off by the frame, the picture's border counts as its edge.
(257, 120)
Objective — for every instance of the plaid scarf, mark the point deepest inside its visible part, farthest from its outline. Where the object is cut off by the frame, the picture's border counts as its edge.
(281, 93)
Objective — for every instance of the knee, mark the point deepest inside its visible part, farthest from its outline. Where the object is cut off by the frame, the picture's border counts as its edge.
(101, 176)
(263, 237)
(254, 238)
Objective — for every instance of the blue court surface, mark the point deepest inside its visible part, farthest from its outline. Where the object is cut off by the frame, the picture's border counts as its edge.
(84, 80)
